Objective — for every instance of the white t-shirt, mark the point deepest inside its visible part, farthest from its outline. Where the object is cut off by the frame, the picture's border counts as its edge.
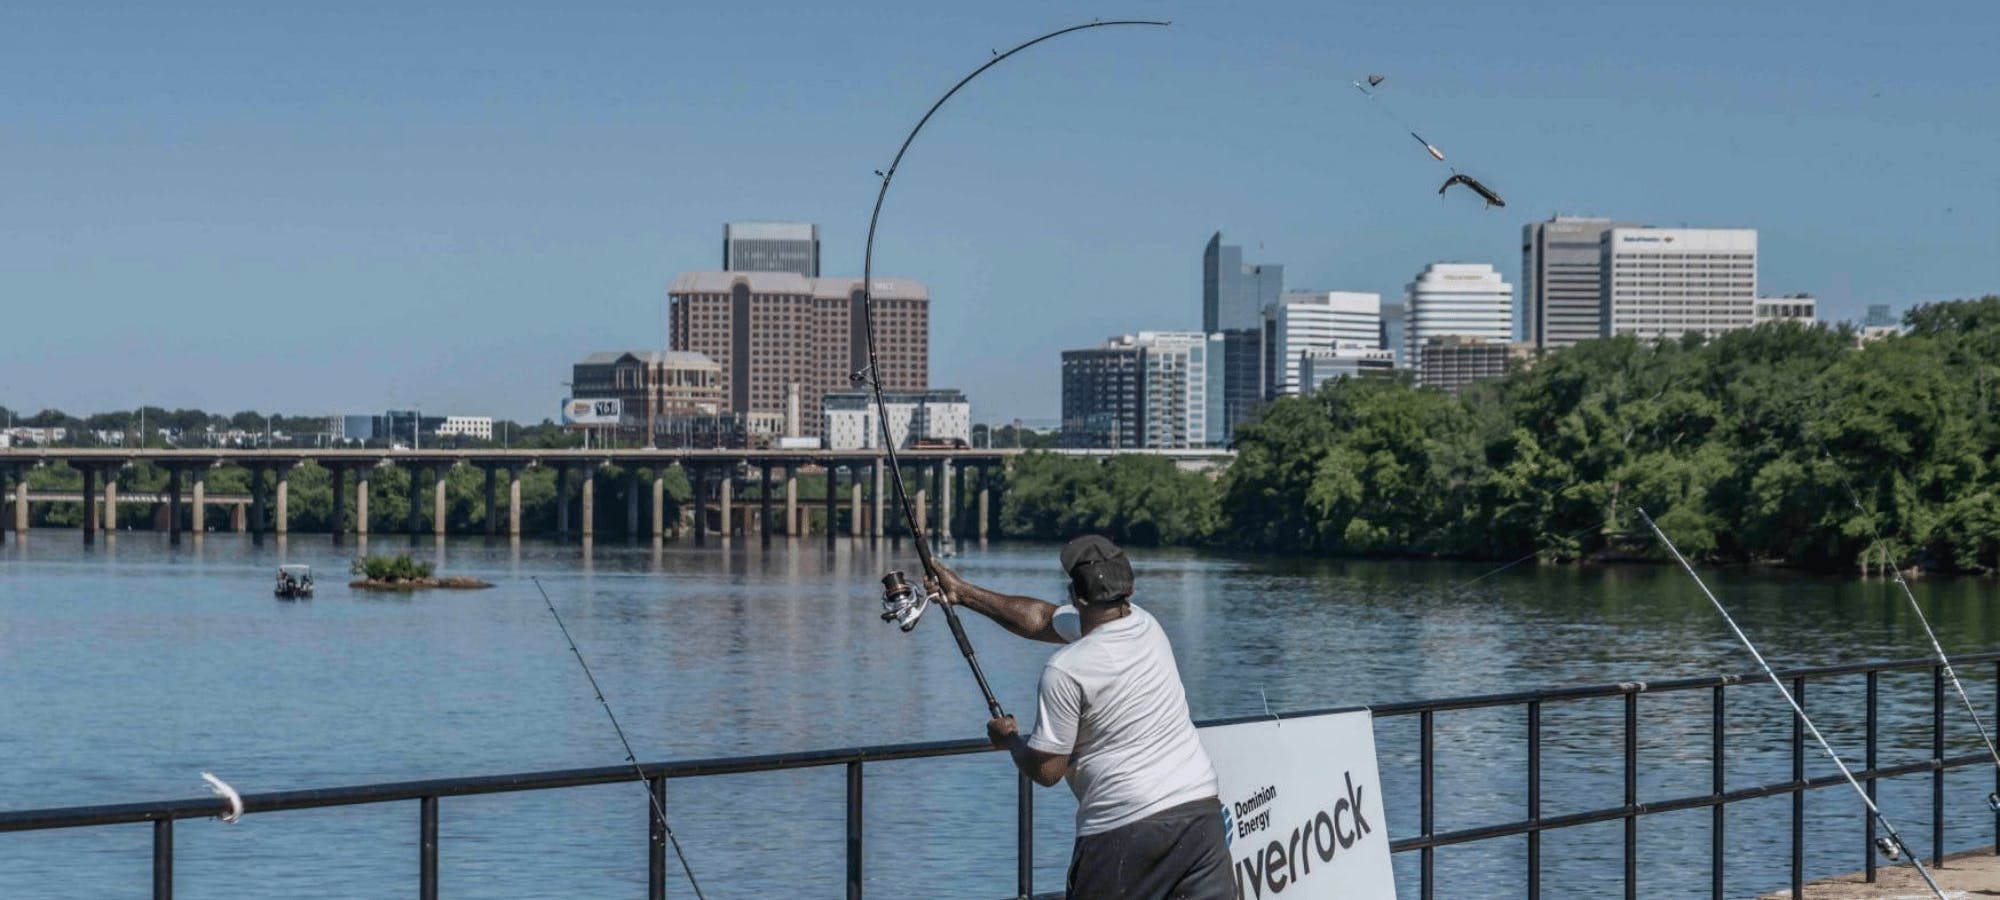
(1112, 700)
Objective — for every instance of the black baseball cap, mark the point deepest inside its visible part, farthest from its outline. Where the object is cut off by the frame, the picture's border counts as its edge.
(1098, 570)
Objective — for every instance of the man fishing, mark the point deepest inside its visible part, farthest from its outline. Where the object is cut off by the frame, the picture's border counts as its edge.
(1112, 718)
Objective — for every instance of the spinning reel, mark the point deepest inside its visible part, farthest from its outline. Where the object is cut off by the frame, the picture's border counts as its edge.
(902, 602)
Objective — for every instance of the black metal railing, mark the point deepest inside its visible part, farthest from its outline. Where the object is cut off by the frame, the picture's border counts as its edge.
(1425, 843)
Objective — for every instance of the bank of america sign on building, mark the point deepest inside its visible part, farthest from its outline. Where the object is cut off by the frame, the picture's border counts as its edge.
(1661, 283)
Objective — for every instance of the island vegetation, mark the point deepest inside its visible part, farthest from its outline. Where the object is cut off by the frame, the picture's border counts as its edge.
(1779, 444)
(401, 573)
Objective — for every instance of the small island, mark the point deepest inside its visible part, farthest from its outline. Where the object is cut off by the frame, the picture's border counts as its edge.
(401, 573)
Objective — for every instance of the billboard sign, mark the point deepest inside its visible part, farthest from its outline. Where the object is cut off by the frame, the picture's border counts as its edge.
(586, 411)
(1302, 807)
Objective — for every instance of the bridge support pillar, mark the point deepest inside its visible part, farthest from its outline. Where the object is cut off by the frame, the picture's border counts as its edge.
(89, 505)
(832, 492)
(361, 503)
(923, 509)
(725, 498)
(697, 478)
(199, 521)
(659, 505)
(588, 527)
(438, 479)
(854, 502)
(110, 502)
(6, 519)
(514, 503)
(283, 526)
(944, 478)
(791, 501)
(237, 516)
(875, 521)
(984, 515)
(764, 507)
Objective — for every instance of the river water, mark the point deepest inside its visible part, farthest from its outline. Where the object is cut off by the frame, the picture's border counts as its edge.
(128, 669)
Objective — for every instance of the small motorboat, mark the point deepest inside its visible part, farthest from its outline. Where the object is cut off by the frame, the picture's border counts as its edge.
(294, 583)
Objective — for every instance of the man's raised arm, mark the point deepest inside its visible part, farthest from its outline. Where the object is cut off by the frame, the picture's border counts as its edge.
(1026, 616)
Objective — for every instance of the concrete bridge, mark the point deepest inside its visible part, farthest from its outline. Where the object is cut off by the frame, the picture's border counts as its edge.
(951, 488)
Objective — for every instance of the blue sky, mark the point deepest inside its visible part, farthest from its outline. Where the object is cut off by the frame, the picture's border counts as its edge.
(356, 206)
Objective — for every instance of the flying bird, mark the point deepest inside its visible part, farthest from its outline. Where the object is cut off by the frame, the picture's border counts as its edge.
(1492, 199)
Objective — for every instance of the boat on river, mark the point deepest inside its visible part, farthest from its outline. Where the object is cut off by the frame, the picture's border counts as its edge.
(294, 583)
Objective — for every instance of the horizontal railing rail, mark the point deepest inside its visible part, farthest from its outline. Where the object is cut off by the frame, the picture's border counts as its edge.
(1425, 842)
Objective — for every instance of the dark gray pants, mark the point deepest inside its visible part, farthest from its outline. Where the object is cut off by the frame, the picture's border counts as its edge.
(1177, 853)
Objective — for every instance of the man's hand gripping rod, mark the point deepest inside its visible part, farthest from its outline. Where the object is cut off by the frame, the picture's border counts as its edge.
(903, 602)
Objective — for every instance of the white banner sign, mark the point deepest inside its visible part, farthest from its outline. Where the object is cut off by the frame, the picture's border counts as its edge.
(1302, 805)
(585, 411)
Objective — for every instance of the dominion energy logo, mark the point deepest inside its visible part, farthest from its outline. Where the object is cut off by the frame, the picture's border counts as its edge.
(1287, 858)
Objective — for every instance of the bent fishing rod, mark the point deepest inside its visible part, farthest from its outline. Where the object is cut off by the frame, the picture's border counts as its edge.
(903, 602)
(1891, 844)
(659, 811)
(1937, 647)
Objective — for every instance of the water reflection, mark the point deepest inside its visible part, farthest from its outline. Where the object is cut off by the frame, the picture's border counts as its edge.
(133, 667)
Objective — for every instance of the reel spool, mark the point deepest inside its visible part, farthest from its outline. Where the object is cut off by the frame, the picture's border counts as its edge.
(902, 602)
(1888, 849)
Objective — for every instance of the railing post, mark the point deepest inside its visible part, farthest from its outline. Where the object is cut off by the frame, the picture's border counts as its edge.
(1425, 802)
(1534, 799)
(1631, 794)
(1024, 839)
(1798, 791)
(1718, 769)
(163, 859)
(427, 860)
(854, 831)
(656, 840)
(1937, 757)
(1867, 818)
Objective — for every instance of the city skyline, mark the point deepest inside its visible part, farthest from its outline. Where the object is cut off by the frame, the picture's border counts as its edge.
(399, 222)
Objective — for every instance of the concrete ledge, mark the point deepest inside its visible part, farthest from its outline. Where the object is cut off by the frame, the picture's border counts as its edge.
(1974, 873)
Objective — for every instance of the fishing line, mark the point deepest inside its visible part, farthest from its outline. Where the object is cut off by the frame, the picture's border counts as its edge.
(630, 757)
(1892, 844)
(911, 598)
(1992, 800)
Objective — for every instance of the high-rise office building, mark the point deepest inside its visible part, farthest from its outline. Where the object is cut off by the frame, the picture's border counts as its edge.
(1468, 300)
(1562, 280)
(771, 247)
(1233, 297)
(1879, 316)
(1146, 390)
(1305, 320)
(853, 423)
(1662, 283)
(769, 331)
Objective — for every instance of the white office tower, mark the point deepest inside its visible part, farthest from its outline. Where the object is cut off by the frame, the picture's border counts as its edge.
(1662, 283)
(1174, 385)
(1316, 320)
(1468, 300)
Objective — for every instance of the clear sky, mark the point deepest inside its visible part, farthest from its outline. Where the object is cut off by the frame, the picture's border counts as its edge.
(347, 207)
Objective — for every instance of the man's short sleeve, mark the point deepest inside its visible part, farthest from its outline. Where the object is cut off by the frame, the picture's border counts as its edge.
(1057, 712)
(1068, 623)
